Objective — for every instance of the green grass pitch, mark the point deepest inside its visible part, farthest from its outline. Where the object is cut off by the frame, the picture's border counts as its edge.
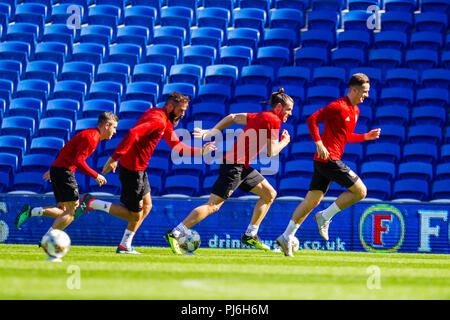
(221, 274)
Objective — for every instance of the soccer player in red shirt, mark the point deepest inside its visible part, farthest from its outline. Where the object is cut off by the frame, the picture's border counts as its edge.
(340, 117)
(261, 129)
(62, 173)
(134, 152)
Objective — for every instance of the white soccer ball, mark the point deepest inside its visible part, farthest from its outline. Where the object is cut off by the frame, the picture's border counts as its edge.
(55, 243)
(190, 241)
(295, 244)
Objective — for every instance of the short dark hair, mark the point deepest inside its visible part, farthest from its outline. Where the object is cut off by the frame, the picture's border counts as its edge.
(177, 98)
(107, 117)
(358, 79)
(279, 97)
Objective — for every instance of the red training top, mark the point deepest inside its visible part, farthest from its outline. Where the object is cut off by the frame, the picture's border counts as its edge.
(75, 152)
(136, 148)
(260, 127)
(340, 119)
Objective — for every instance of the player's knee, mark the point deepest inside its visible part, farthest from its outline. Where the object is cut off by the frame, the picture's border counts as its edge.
(213, 207)
(270, 196)
(361, 193)
(147, 208)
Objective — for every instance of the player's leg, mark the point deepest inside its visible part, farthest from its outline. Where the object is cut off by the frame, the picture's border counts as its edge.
(27, 212)
(63, 220)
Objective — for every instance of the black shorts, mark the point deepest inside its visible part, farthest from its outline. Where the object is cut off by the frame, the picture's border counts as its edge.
(233, 176)
(333, 170)
(64, 184)
(134, 186)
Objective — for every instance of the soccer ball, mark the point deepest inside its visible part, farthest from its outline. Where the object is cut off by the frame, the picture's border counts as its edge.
(190, 241)
(295, 244)
(55, 243)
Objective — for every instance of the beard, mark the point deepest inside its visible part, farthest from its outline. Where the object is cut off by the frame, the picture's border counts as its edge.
(174, 119)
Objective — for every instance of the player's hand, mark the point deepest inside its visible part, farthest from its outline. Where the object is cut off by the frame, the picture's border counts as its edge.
(285, 136)
(46, 176)
(100, 180)
(208, 147)
(204, 133)
(373, 134)
(322, 152)
(111, 164)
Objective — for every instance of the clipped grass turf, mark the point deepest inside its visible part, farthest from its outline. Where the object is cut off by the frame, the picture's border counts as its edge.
(221, 274)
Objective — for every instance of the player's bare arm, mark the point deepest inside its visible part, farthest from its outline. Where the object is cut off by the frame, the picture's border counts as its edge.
(111, 164)
(239, 118)
(274, 147)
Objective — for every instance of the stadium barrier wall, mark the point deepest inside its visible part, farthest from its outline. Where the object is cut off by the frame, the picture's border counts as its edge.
(365, 226)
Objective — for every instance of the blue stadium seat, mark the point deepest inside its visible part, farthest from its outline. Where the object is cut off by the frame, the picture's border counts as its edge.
(79, 71)
(293, 186)
(208, 183)
(135, 35)
(331, 5)
(245, 107)
(303, 150)
(191, 4)
(124, 126)
(393, 115)
(34, 88)
(426, 40)
(362, 4)
(415, 170)
(308, 110)
(425, 134)
(238, 56)
(105, 90)
(9, 163)
(53, 51)
(10, 70)
(23, 31)
(421, 59)
(93, 108)
(190, 169)
(358, 39)
(353, 152)
(172, 35)
(7, 89)
(222, 73)
(383, 151)
(133, 108)
(151, 72)
(420, 152)
(329, 76)
(15, 50)
(281, 37)
(115, 3)
(55, 127)
(247, 37)
(400, 5)
(385, 59)
(187, 72)
(13, 144)
(59, 32)
(431, 21)
(288, 18)
(322, 94)
(318, 38)
(214, 17)
(65, 108)
(32, 13)
(302, 132)
(214, 92)
(182, 184)
(250, 93)
(378, 169)
(374, 74)
(143, 14)
(411, 189)
(301, 5)
(402, 77)
(184, 88)
(260, 4)
(69, 11)
(297, 94)
(429, 115)
(143, 90)
(440, 189)
(397, 40)
(445, 59)
(356, 20)
(397, 96)
(165, 54)
(323, 20)
(88, 52)
(46, 145)
(112, 186)
(114, 71)
(257, 74)
(444, 158)
(396, 21)
(43, 70)
(310, 57)
(208, 36)
(436, 78)
(30, 181)
(127, 53)
(348, 58)
(28, 107)
(156, 184)
(105, 15)
(207, 111)
(70, 89)
(178, 16)
(392, 134)
(434, 6)
(159, 166)
(378, 188)
(100, 34)
(273, 56)
(292, 75)
(442, 171)
(200, 55)
(298, 168)
(251, 18)
(432, 97)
